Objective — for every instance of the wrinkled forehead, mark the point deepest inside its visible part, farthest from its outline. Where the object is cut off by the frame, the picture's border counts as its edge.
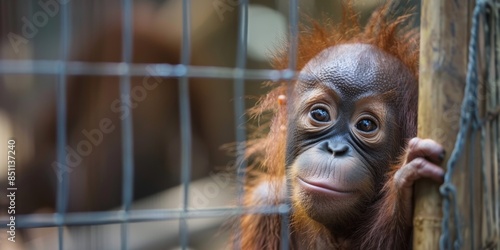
(352, 70)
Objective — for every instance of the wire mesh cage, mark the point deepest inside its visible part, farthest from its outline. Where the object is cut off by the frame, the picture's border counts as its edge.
(128, 118)
(117, 83)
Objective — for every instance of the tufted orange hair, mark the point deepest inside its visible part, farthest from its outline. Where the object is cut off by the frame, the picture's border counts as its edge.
(391, 34)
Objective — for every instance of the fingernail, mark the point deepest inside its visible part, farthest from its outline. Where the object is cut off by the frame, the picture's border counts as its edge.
(442, 155)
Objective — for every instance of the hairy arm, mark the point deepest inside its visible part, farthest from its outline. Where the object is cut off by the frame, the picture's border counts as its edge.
(391, 227)
(262, 231)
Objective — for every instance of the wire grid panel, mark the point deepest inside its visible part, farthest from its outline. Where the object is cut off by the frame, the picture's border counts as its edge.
(64, 68)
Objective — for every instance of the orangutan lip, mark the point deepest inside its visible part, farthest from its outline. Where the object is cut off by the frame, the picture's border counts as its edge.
(322, 187)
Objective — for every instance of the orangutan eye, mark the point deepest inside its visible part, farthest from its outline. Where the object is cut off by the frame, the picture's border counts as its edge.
(366, 125)
(320, 115)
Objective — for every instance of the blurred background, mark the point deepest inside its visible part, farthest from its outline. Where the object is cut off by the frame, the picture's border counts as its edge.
(30, 30)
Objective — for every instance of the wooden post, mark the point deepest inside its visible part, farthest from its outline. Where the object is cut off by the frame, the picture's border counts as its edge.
(444, 38)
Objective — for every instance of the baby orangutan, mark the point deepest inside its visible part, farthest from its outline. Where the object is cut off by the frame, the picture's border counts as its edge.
(342, 137)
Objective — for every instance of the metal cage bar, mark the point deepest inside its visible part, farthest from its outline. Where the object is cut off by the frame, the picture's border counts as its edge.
(126, 122)
(185, 122)
(292, 65)
(63, 183)
(48, 67)
(239, 105)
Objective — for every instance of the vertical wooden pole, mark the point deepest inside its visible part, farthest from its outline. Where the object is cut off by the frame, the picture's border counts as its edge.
(444, 38)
